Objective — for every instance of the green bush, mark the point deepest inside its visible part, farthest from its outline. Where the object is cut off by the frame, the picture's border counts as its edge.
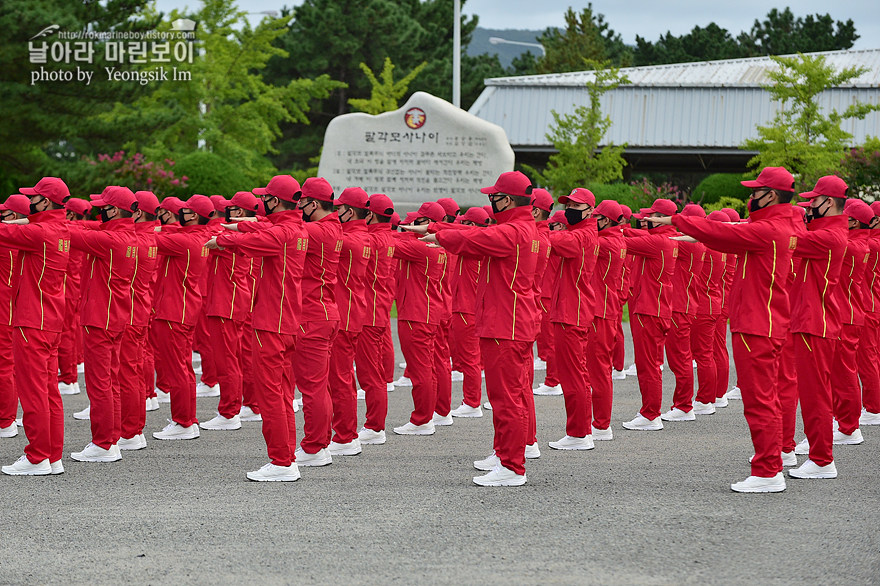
(622, 193)
(727, 202)
(210, 174)
(719, 185)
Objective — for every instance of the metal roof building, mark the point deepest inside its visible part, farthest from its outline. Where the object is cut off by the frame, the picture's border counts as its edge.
(685, 116)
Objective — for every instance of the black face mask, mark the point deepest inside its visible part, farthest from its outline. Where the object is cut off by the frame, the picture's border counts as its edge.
(814, 213)
(574, 216)
(270, 210)
(307, 217)
(103, 213)
(753, 203)
(181, 218)
(494, 203)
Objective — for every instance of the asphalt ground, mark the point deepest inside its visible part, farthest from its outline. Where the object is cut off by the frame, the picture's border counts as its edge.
(646, 508)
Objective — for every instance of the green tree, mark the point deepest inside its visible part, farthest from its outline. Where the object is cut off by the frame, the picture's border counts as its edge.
(701, 44)
(586, 36)
(577, 138)
(803, 138)
(781, 33)
(384, 94)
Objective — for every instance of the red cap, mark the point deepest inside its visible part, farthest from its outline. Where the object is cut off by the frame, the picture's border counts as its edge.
(21, 204)
(172, 204)
(431, 210)
(642, 214)
(579, 195)
(693, 210)
(510, 183)
(200, 204)
(663, 206)
(147, 201)
(542, 199)
(317, 188)
(245, 200)
(558, 218)
(608, 208)
(219, 202)
(732, 214)
(803, 204)
(74, 204)
(381, 205)
(115, 195)
(261, 208)
(489, 211)
(861, 212)
(476, 215)
(52, 188)
(718, 216)
(876, 208)
(281, 186)
(395, 219)
(409, 218)
(449, 206)
(350, 196)
(773, 177)
(829, 185)
(627, 212)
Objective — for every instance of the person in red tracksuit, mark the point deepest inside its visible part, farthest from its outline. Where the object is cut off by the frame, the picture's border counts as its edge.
(176, 310)
(442, 347)
(209, 381)
(679, 354)
(250, 411)
(759, 311)
(816, 322)
(277, 309)
(70, 346)
(227, 304)
(869, 345)
(371, 372)
(546, 283)
(111, 251)
(607, 311)
(571, 313)
(722, 356)
(420, 307)
(845, 389)
(38, 319)
(651, 307)
(619, 356)
(351, 291)
(542, 207)
(16, 207)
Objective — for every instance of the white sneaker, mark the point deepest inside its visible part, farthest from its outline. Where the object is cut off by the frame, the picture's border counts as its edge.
(487, 405)
(81, 368)
(371, 437)
(803, 448)
(138, 442)
(319, 458)
(760, 484)
(297, 405)
(488, 463)
(442, 420)
(703, 408)
(631, 371)
(789, 459)
(813, 471)
(152, 404)
(389, 387)
(23, 467)
(642, 423)
(676, 414)
(573, 443)
(539, 364)
(272, 473)
(532, 451)
(868, 418)
(618, 375)
(175, 431)
(500, 476)
(602, 435)
(203, 390)
(401, 365)
(57, 467)
(10, 431)
(221, 423)
(853, 439)
(162, 396)
(247, 414)
(457, 376)
(465, 410)
(734, 394)
(69, 388)
(352, 448)
(722, 402)
(402, 382)
(545, 390)
(18, 422)
(93, 453)
(409, 428)
(83, 415)
(361, 395)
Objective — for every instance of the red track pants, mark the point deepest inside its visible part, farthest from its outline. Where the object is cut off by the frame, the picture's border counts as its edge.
(35, 353)
(649, 335)
(465, 333)
(371, 375)
(532, 434)
(722, 357)
(813, 356)
(343, 391)
(600, 353)
(8, 396)
(149, 370)
(101, 353)
(133, 396)
(845, 391)
(868, 355)
(787, 389)
(547, 334)
(312, 369)
(202, 344)
(571, 351)
(703, 350)
(274, 353)
(248, 374)
(618, 356)
(681, 360)
(225, 340)
(417, 341)
(172, 350)
(757, 361)
(442, 369)
(507, 388)
(70, 344)
(388, 354)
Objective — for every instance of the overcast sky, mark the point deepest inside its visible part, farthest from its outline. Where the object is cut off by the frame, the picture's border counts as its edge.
(648, 18)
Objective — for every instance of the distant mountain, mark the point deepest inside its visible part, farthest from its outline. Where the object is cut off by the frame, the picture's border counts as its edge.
(480, 43)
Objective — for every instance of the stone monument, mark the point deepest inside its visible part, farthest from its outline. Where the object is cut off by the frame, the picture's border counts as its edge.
(425, 150)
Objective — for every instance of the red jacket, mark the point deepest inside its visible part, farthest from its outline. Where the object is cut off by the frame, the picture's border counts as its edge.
(653, 269)
(44, 248)
(729, 271)
(178, 294)
(506, 304)
(73, 283)
(351, 286)
(319, 272)
(543, 262)
(814, 308)
(710, 283)
(282, 246)
(852, 278)
(464, 284)
(8, 283)
(573, 297)
(112, 257)
(446, 284)
(609, 274)
(759, 297)
(419, 298)
(688, 266)
(381, 273)
(144, 274)
(229, 285)
(871, 286)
